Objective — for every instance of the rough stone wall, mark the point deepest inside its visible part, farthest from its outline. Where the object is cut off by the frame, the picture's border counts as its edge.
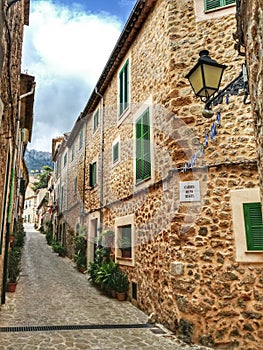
(252, 21)
(185, 257)
(10, 68)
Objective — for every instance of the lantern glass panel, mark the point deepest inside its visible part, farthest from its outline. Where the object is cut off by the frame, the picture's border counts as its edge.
(212, 75)
(196, 80)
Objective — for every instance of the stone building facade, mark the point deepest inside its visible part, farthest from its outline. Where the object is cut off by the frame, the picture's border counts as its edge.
(171, 183)
(16, 104)
(29, 213)
(249, 38)
(68, 159)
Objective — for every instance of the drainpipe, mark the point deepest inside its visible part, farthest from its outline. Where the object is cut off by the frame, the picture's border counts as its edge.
(101, 157)
(10, 203)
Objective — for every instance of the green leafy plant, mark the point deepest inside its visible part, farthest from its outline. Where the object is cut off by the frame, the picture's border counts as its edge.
(48, 232)
(120, 282)
(105, 273)
(102, 255)
(42, 178)
(80, 246)
(19, 239)
(14, 262)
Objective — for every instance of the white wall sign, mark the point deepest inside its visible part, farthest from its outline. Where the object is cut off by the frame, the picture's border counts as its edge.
(189, 191)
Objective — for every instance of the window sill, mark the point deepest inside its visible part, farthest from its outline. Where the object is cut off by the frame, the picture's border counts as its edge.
(95, 132)
(125, 261)
(143, 184)
(123, 116)
(113, 165)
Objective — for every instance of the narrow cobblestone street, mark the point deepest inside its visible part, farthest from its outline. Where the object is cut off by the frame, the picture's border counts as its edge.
(52, 294)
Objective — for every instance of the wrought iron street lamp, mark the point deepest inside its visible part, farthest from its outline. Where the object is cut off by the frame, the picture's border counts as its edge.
(205, 78)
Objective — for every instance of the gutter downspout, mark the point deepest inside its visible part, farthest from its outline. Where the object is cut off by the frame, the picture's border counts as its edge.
(10, 202)
(101, 158)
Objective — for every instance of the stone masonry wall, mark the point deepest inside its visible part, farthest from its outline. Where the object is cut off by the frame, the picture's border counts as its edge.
(9, 90)
(252, 21)
(185, 266)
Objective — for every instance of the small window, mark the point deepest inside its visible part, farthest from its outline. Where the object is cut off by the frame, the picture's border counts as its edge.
(65, 159)
(143, 147)
(253, 225)
(125, 241)
(124, 88)
(81, 139)
(116, 152)
(95, 120)
(73, 152)
(93, 174)
(214, 4)
(75, 185)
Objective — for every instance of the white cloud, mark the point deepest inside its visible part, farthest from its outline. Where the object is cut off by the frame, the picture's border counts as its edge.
(66, 50)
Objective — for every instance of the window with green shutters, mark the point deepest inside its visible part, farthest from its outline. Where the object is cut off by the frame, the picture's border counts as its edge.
(143, 147)
(124, 88)
(93, 174)
(214, 4)
(95, 120)
(115, 152)
(253, 225)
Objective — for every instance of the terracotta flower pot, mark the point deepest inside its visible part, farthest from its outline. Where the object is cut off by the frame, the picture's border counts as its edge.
(11, 287)
(121, 296)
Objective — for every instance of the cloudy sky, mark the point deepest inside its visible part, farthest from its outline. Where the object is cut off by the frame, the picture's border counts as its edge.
(66, 47)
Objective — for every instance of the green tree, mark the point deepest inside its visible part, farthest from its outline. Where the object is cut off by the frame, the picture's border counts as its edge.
(42, 178)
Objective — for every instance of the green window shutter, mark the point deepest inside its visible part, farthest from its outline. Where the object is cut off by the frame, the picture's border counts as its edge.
(214, 4)
(75, 185)
(93, 174)
(143, 147)
(253, 225)
(115, 152)
(124, 88)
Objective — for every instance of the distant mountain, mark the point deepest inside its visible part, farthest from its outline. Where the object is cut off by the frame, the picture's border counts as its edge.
(35, 160)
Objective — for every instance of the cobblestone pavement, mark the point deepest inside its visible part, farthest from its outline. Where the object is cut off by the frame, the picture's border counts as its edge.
(52, 293)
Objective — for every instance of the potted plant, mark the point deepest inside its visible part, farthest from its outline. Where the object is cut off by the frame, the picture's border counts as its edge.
(104, 275)
(121, 285)
(13, 270)
(11, 239)
(80, 246)
(62, 251)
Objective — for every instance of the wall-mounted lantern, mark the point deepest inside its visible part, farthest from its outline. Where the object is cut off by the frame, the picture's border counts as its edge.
(205, 78)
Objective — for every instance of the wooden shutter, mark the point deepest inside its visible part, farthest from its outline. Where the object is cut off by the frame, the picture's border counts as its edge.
(254, 226)
(143, 147)
(213, 4)
(93, 174)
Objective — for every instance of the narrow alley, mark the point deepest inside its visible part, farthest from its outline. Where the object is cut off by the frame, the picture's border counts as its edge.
(55, 307)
